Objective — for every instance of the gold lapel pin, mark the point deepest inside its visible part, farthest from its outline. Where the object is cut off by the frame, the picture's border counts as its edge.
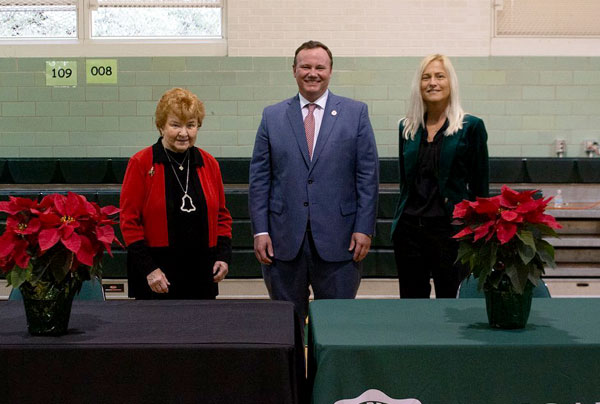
(151, 172)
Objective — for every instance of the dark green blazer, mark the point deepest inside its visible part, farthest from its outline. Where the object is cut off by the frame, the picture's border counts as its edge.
(464, 167)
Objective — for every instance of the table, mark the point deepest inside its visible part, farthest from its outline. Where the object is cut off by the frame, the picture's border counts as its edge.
(155, 352)
(443, 351)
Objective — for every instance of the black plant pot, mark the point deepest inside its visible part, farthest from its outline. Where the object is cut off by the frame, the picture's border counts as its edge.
(508, 309)
(48, 306)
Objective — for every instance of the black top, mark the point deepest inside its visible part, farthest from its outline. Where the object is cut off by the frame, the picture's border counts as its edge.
(186, 229)
(424, 198)
(187, 262)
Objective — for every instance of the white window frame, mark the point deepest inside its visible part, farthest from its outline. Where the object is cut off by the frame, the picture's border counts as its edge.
(546, 46)
(86, 46)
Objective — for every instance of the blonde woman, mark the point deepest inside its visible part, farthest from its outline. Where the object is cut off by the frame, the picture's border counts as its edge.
(443, 159)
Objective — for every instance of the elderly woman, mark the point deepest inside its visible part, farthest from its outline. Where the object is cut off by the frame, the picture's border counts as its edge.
(443, 159)
(173, 215)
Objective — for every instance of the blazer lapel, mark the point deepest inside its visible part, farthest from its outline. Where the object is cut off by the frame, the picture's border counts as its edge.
(297, 123)
(411, 154)
(332, 111)
(449, 144)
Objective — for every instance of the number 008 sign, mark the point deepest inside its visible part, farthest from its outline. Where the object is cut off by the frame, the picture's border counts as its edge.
(101, 71)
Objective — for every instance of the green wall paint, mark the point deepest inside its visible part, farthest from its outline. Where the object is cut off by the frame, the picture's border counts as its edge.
(526, 102)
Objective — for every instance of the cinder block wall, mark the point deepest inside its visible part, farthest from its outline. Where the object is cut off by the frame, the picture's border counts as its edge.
(360, 28)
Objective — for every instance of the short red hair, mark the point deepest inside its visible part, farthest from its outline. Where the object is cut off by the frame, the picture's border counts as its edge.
(180, 102)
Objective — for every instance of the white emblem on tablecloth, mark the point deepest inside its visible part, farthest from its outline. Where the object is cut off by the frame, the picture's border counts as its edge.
(374, 396)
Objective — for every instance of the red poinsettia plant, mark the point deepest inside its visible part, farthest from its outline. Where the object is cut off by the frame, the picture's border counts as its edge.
(503, 236)
(45, 241)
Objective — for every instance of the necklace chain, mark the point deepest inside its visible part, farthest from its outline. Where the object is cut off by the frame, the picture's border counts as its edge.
(187, 182)
(174, 161)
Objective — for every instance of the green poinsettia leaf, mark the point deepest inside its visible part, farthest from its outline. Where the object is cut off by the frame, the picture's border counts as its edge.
(473, 265)
(527, 249)
(58, 273)
(527, 238)
(483, 275)
(518, 277)
(465, 250)
(546, 252)
(17, 276)
(481, 282)
(484, 262)
(493, 256)
(535, 274)
(526, 253)
(40, 264)
(61, 263)
(511, 271)
(477, 262)
(547, 231)
(95, 271)
(524, 272)
(487, 257)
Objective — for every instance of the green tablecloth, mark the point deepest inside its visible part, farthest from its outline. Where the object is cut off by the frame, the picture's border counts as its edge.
(443, 351)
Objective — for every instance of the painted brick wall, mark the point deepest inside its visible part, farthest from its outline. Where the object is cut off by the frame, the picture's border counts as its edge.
(359, 27)
(526, 102)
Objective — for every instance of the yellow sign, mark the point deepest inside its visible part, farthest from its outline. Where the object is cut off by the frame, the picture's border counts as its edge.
(101, 71)
(61, 73)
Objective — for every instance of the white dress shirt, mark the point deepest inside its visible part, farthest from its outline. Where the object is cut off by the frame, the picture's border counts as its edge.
(317, 113)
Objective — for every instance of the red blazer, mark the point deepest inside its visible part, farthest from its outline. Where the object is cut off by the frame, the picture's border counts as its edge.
(143, 206)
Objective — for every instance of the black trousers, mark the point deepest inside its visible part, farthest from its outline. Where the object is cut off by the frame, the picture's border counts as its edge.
(424, 249)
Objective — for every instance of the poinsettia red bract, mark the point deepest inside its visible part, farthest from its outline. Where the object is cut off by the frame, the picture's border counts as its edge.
(507, 229)
(71, 221)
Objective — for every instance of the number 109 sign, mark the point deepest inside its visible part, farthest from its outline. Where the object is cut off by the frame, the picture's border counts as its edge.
(101, 71)
(61, 73)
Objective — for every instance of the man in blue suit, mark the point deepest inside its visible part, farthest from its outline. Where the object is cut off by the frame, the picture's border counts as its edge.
(313, 187)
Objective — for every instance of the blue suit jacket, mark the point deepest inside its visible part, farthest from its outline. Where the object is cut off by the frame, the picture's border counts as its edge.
(337, 189)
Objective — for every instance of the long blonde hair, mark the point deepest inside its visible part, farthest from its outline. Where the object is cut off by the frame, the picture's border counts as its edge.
(417, 108)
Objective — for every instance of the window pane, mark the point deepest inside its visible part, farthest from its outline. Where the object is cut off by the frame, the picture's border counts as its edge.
(543, 18)
(38, 22)
(156, 22)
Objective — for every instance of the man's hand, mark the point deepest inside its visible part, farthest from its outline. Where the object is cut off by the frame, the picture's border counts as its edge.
(220, 270)
(263, 249)
(360, 243)
(157, 281)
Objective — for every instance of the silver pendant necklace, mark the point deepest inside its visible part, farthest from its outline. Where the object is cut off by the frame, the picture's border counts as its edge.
(180, 165)
(187, 205)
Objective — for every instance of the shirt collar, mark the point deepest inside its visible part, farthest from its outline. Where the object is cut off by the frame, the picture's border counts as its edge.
(159, 155)
(321, 101)
(440, 132)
